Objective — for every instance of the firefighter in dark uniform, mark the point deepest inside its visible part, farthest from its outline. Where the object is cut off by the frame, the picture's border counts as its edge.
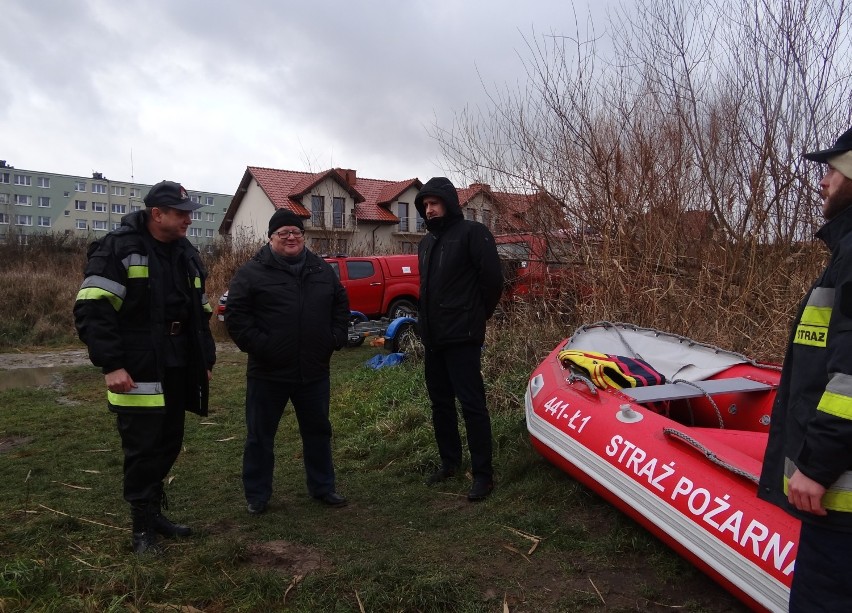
(808, 463)
(144, 315)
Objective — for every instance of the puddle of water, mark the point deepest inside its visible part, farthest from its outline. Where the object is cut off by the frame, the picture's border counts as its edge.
(29, 377)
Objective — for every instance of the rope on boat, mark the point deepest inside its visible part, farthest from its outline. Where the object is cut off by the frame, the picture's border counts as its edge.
(683, 339)
(710, 455)
(707, 396)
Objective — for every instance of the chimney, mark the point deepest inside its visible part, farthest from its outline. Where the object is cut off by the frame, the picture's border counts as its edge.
(349, 175)
(97, 175)
(2, 163)
(480, 186)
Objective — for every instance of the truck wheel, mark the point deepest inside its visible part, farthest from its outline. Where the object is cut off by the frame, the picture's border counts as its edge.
(402, 307)
(406, 340)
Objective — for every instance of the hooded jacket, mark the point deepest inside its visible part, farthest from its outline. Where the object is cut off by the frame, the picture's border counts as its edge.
(460, 274)
(289, 325)
(120, 315)
(811, 427)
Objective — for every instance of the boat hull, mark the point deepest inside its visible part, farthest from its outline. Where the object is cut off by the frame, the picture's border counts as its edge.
(657, 471)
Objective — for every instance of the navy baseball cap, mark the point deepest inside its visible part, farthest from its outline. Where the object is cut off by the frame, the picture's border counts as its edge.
(170, 194)
(841, 145)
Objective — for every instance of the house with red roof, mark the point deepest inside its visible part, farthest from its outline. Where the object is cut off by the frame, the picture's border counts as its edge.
(344, 213)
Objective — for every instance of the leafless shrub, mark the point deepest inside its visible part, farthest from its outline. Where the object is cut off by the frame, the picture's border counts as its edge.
(678, 156)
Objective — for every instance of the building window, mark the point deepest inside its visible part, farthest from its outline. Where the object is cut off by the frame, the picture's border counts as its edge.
(99, 207)
(470, 214)
(66, 213)
(408, 247)
(23, 180)
(196, 232)
(196, 216)
(119, 209)
(24, 220)
(98, 188)
(5, 199)
(486, 217)
(117, 190)
(403, 217)
(22, 200)
(116, 225)
(135, 207)
(43, 221)
(79, 205)
(4, 177)
(209, 232)
(79, 186)
(318, 211)
(80, 224)
(211, 217)
(99, 224)
(44, 201)
(195, 198)
(338, 211)
(208, 201)
(135, 192)
(43, 181)
(4, 218)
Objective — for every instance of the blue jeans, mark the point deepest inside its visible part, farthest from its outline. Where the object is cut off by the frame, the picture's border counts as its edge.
(265, 403)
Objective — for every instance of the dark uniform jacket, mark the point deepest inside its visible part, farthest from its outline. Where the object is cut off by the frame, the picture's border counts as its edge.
(811, 425)
(289, 325)
(120, 315)
(460, 274)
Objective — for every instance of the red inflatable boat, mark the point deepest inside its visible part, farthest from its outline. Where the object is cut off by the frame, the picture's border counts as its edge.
(672, 432)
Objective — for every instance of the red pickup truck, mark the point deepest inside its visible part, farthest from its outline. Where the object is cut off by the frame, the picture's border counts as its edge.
(377, 285)
(380, 285)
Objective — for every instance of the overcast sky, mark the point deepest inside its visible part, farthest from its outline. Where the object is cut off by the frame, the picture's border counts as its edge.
(196, 90)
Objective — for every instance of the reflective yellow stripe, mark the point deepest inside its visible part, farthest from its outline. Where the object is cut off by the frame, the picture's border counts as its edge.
(834, 499)
(207, 308)
(137, 272)
(96, 293)
(144, 395)
(813, 326)
(196, 282)
(838, 405)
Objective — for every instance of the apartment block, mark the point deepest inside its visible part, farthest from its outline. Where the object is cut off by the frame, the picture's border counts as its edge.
(39, 202)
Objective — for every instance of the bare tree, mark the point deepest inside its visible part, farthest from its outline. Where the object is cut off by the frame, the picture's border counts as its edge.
(680, 148)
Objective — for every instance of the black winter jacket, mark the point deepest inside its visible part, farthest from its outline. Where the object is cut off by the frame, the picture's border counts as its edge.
(460, 274)
(288, 325)
(119, 314)
(811, 426)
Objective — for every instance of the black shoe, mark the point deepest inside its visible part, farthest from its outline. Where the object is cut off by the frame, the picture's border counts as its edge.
(440, 475)
(332, 499)
(256, 508)
(165, 527)
(145, 543)
(480, 490)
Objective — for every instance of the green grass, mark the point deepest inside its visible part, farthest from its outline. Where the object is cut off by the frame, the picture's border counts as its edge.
(398, 546)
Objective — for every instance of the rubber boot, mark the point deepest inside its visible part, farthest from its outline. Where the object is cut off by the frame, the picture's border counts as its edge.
(144, 535)
(162, 524)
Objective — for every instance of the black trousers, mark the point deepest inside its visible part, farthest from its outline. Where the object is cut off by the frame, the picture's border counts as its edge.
(152, 442)
(822, 578)
(265, 403)
(455, 372)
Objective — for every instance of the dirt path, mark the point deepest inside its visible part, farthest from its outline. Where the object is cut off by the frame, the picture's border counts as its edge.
(68, 357)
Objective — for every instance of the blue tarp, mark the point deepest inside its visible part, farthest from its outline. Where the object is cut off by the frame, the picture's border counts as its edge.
(380, 361)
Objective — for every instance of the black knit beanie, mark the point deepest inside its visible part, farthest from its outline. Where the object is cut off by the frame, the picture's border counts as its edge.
(284, 217)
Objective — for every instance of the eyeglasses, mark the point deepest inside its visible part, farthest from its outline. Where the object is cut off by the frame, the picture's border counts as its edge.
(294, 233)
